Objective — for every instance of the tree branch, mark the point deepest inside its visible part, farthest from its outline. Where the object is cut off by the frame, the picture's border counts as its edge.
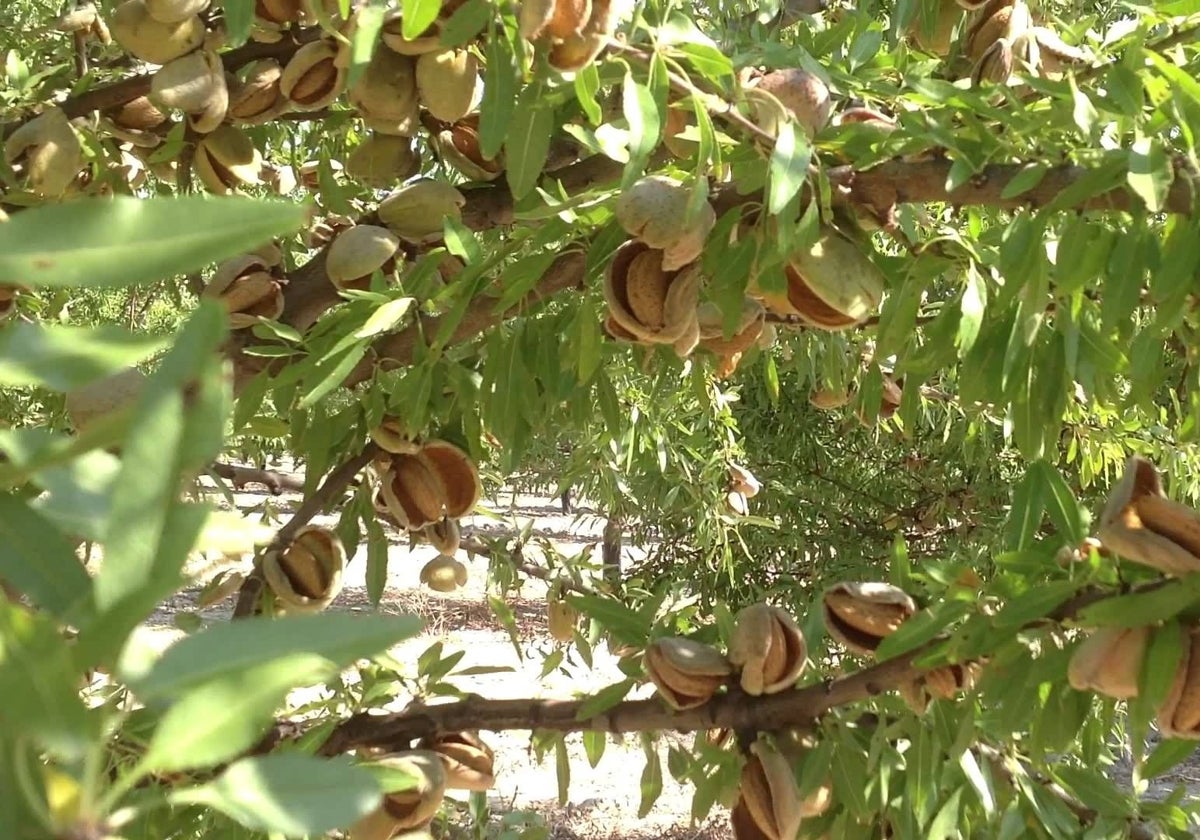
(734, 710)
(240, 476)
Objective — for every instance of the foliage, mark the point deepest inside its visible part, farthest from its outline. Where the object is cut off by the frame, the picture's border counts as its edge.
(962, 305)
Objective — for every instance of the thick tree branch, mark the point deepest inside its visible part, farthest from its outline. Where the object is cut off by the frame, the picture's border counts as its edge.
(733, 710)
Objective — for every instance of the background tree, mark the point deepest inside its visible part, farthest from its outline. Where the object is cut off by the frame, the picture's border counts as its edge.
(848, 315)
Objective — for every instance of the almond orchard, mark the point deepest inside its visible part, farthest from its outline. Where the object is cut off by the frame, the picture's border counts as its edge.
(867, 332)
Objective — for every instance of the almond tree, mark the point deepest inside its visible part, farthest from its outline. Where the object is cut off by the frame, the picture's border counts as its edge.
(851, 317)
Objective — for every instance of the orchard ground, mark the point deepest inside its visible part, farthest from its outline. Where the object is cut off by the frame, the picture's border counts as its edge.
(602, 801)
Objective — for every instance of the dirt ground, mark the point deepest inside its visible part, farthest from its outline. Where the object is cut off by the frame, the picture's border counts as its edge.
(602, 801)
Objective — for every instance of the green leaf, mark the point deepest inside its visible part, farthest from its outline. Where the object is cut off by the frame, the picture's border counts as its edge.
(593, 746)
(417, 16)
(651, 783)
(1083, 111)
(1027, 178)
(238, 16)
(229, 713)
(1061, 504)
(1142, 608)
(40, 683)
(377, 559)
(604, 699)
(236, 647)
(562, 768)
(1169, 753)
(1034, 604)
(466, 23)
(972, 306)
(37, 560)
(1150, 172)
(945, 824)
(368, 21)
(1025, 514)
(153, 460)
(295, 795)
(386, 317)
(1095, 790)
(63, 358)
(626, 624)
(501, 80)
(788, 167)
(645, 124)
(528, 142)
(124, 241)
(849, 769)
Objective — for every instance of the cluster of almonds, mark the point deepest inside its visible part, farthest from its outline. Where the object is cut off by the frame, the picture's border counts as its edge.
(306, 575)
(861, 615)
(409, 83)
(453, 761)
(413, 213)
(767, 651)
(1109, 662)
(652, 285)
(828, 399)
(575, 30)
(1141, 524)
(425, 488)
(1001, 36)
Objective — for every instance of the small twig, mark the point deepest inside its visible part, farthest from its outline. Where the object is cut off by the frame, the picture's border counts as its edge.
(330, 490)
(240, 476)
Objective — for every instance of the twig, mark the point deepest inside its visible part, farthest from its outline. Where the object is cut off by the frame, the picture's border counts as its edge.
(240, 476)
(330, 490)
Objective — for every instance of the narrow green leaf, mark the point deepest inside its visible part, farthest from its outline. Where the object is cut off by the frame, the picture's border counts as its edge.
(1061, 505)
(501, 80)
(528, 141)
(1142, 608)
(972, 306)
(40, 684)
(238, 16)
(386, 317)
(645, 124)
(1030, 176)
(295, 795)
(236, 647)
(1034, 604)
(417, 16)
(468, 21)
(368, 21)
(593, 746)
(62, 358)
(227, 715)
(377, 559)
(788, 167)
(1095, 790)
(153, 460)
(651, 782)
(124, 241)
(562, 767)
(1150, 172)
(37, 559)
